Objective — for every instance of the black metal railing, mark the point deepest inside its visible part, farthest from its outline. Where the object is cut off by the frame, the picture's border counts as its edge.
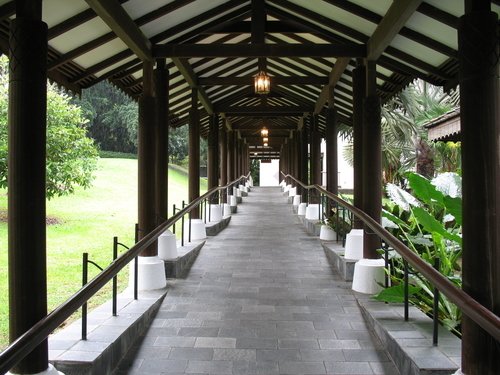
(483, 317)
(25, 343)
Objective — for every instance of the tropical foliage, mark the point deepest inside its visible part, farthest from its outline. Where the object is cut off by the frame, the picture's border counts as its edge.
(404, 139)
(429, 222)
(71, 155)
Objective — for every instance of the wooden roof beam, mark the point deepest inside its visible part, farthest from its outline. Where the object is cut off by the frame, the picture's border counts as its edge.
(190, 76)
(259, 50)
(333, 78)
(118, 20)
(275, 80)
(259, 111)
(394, 20)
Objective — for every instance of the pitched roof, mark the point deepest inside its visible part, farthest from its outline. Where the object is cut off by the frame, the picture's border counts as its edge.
(303, 44)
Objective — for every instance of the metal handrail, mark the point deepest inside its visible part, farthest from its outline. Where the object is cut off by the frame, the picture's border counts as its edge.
(25, 343)
(482, 316)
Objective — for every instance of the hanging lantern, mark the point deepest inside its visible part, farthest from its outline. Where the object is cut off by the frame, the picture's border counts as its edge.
(265, 144)
(265, 139)
(264, 132)
(262, 83)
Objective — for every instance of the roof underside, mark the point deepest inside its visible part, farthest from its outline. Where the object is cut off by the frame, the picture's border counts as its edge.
(84, 49)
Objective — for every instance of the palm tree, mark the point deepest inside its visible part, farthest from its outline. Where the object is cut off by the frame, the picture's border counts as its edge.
(404, 139)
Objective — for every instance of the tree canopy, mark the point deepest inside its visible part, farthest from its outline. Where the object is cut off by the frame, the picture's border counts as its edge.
(71, 155)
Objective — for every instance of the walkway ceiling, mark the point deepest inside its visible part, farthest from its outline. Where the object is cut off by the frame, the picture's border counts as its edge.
(218, 45)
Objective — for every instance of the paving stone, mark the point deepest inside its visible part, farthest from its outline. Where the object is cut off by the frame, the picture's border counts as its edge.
(210, 367)
(215, 342)
(261, 298)
(288, 367)
(343, 368)
(201, 354)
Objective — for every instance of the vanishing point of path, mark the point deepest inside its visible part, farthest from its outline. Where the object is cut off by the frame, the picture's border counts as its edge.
(261, 298)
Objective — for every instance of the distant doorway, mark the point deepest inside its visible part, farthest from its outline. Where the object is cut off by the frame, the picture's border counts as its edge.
(269, 173)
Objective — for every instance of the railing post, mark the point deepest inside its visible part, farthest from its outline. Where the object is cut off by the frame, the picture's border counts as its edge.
(182, 226)
(406, 295)
(173, 211)
(435, 308)
(85, 258)
(136, 265)
(115, 278)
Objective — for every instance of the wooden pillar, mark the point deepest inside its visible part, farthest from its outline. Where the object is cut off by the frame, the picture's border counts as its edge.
(303, 172)
(26, 178)
(315, 152)
(146, 154)
(359, 90)
(480, 118)
(332, 178)
(213, 153)
(372, 161)
(223, 158)
(231, 156)
(194, 152)
(161, 78)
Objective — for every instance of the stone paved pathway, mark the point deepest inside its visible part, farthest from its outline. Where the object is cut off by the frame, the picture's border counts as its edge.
(260, 299)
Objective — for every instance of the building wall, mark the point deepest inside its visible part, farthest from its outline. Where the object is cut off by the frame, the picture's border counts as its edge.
(269, 173)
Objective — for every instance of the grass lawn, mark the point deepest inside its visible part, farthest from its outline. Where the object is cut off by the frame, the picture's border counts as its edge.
(87, 222)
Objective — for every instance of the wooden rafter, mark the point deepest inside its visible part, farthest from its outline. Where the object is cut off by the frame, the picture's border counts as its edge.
(394, 20)
(259, 50)
(118, 20)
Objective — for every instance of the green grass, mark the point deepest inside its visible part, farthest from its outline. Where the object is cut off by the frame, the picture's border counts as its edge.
(87, 222)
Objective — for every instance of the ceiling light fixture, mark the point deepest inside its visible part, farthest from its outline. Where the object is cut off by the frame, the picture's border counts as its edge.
(264, 132)
(262, 83)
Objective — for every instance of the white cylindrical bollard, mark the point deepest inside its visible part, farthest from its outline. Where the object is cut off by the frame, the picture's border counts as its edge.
(292, 192)
(238, 193)
(302, 209)
(287, 187)
(215, 212)
(198, 231)
(167, 246)
(312, 212)
(232, 201)
(368, 275)
(296, 200)
(150, 275)
(226, 210)
(327, 234)
(354, 244)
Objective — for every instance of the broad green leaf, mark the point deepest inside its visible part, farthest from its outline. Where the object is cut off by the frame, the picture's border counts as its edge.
(424, 190)
(394, 218)
(395, 293)
(454, 207)
(400, 197)
(431, 225)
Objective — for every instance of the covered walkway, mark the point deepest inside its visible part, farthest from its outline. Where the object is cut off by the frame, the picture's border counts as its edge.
(260, 299)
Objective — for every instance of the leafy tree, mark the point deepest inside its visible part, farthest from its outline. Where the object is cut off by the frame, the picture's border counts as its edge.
(112, 117)
(71, 155)
(178, 144)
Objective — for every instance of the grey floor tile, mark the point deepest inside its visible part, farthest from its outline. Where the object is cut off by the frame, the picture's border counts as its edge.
(289, 367)
(265, 302)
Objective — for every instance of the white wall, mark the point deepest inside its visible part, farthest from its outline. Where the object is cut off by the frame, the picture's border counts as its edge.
(269, 173)
(346, 173)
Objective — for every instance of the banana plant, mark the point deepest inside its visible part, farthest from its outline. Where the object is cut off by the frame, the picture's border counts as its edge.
(428, 219)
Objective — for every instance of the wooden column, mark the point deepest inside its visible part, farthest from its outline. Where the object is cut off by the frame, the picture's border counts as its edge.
(161, 78)
(372, 161)
(332, 178)
(26, 178)
(315, 152)
(146, 153)
(231, 156)
(480, 119)
(359, 90)
(223, 158)
(194, 152)
(213, 154)
(303, 172)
